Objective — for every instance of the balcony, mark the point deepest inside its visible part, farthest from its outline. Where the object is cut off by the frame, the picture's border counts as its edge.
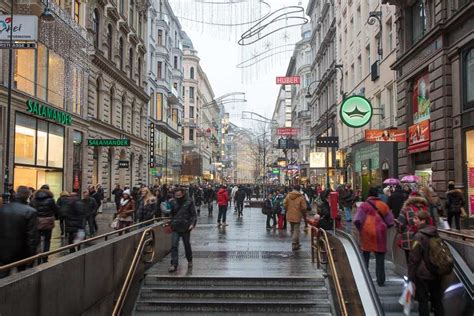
(173, 96)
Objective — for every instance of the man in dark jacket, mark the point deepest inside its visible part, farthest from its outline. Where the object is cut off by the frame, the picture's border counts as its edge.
(117, 193)
(454, 203)
(396, 199)
(427, 285)
(18, 230)
(99, 197)
(90, 211)
(75, 218)
(347, 201)
(209, 197)
(239, 200)
(183, 220)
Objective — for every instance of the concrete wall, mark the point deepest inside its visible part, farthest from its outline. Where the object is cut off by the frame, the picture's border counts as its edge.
(84, 283)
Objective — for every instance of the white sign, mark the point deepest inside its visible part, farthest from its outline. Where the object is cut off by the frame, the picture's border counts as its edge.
(317, 159)
(25, 27)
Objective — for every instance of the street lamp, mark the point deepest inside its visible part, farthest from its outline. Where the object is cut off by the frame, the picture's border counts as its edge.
(373, 17)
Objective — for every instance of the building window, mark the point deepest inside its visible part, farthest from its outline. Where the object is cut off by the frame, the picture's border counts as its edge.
(122, 6)
(191, 134)
(468, 65)
(191, 94)
(160, 70)
(97, 99)
(121, 52)
(77, 11)
(159, 106)
(175, 63)
(160, 37)
(109, 41)
(359, 65)
(124, 105)
(56, 79)
(418, 19)
(191, 112)
(96, 26)
(77, 88)
(130, 63)
(191, 73)
(139, 66)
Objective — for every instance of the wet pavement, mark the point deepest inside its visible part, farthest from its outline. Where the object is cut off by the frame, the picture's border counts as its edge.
(243, 249)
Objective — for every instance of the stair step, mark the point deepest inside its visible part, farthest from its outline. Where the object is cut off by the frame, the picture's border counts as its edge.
(147, 313)
(233, 282)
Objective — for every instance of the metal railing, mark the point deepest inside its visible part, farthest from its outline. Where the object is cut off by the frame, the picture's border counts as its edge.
(78, 245)
(451, 233)
(147, 240)
(320, 242)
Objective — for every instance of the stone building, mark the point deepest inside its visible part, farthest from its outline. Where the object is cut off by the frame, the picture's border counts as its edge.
(366, 53)
(435, 84)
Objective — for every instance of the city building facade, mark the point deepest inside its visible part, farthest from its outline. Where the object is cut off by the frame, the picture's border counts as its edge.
(165, 87)
(435, 75)
(366, 53)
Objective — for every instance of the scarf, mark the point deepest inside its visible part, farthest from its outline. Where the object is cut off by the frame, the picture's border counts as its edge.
(124, 202)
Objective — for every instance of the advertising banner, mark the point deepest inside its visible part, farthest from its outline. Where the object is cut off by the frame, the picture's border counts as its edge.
(471, 202)
(317, 159)
(419, 137)
(288, 80)
(25, 27)
(421, 99)
(385, 135)
(287, 131)
(471, 178)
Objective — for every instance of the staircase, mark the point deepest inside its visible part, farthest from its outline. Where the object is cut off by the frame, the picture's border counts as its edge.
(191, 295)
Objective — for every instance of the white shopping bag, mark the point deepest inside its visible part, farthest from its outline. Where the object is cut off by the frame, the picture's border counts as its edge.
(79, 236)
(443, 223)
(406, 299)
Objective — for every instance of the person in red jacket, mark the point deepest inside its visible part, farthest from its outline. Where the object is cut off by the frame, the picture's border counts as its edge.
(222, 202)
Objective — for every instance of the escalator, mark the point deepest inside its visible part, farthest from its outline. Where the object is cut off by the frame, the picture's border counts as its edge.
(383, 300)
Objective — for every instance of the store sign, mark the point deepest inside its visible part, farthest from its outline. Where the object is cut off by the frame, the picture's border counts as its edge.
(151, 144)
(123, 164)
(48, 112)
(317, 159)
(25, 27)
(121, 142)
(421, 99)
(356, 111)
(287, 131)
(287, 143)
(419, 137)
(331, 142)
(288, 80)
(276, 171)
(385, 135)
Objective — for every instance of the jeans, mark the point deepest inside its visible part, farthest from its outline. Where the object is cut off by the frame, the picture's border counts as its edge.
(46, 236)
(70, 240)
(379, 265)
(175, 245)
(426, 291)
(222, 214)
(209, 207)
(456, 219)
(240, 207)
(269, 217)
(347, 209)
(92, 224)
(295, 233)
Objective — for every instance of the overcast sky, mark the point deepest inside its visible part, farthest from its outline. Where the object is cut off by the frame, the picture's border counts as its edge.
(219, 59)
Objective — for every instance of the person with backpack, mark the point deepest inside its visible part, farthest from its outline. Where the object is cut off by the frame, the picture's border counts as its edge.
(183, 220)
(279, 210)
(429, 260)
(373, 218)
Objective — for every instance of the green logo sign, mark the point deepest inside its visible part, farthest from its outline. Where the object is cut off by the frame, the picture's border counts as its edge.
(50, 113)
(276, 171)
(108, 142)
(356, 111)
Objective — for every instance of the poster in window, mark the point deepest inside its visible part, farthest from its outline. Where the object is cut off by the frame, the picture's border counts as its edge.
(471, 178)
(421, 99)
(471, 202)
(419, 137)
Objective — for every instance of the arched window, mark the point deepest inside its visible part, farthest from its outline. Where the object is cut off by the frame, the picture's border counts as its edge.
(110, 41)
(191, 73)
(121, 53)
(112, 106)
(124, 101)
(98, 109)
(132, 123)
(96, 21)
(139, 66)
(130, 62)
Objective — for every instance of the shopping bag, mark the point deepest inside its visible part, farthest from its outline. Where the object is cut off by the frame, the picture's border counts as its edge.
(79, 236)
(406, 299)
(115, 223)
(443, 223)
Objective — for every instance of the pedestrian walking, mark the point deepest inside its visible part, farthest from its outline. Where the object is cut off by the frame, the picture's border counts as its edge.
(148, 206)
(454, 205)
(396, 199)
(324, 210)
(62, 205)
(209, 197)
(268, 208)
(90, 210)
(222, 203)
(74, 219)
(183, 220)
(117, 193)
(18, 230)
(372, 219)
(198, 200)
(127, 207)
(296, 208)
(239, 201)
(99, 197)
(347, 202)
(279, 209)
(427, 282)
(235, 188)
(43, 202)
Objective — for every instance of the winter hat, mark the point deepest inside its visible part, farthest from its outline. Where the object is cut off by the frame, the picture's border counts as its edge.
(127, 192)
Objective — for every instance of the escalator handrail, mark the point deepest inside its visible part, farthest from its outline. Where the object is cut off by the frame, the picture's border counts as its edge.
(460, 267)
(451, 233)
(367, 277)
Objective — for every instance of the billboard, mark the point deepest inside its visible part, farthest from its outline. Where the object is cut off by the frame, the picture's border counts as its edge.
(317, 159)
(421, 99)
(385, 135)
(287, 131)
(419, 137)
(288, 80)
(25, 28)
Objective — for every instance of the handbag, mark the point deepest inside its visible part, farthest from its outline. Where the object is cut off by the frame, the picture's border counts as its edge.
(115, 223)
(463, 213)
(45, 223)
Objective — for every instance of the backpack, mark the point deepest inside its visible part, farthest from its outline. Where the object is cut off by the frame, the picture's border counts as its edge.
(439, 259)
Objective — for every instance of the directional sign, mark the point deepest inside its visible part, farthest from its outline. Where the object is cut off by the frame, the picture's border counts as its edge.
(356, 111)
(17, 45)
(331, 142)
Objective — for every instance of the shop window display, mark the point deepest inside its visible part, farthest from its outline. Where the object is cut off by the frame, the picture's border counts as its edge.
(470, 169)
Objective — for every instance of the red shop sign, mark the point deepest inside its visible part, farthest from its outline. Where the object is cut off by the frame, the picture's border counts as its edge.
(419, 137)
(288, 80)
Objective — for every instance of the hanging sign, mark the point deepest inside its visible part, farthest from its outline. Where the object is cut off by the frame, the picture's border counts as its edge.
(419, 137)
(123, 164)
(287, 131)
(385, 135)
(25, 27)
(48, 112)
(317, 159)
(151, 161)
(288, 80)
(331, 142)
(356, 111)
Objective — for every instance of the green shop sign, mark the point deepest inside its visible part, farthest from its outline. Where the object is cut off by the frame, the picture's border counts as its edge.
(50, 113)
(356, 111)
(122, 142)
